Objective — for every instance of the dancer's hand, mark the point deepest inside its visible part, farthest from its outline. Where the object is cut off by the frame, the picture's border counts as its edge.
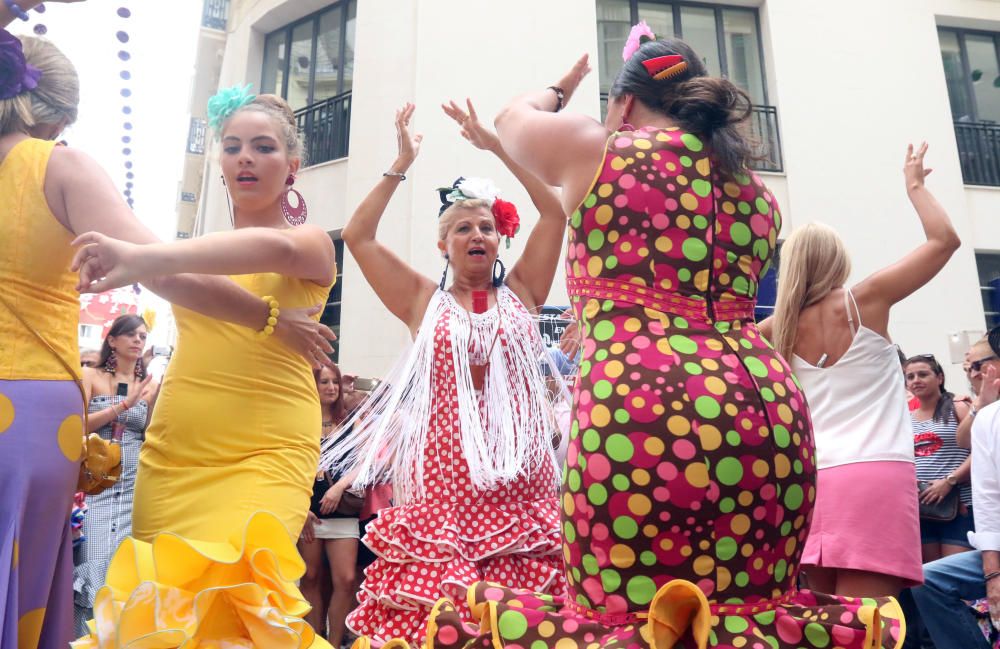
(309, 529)
(472, 129)
(331, 499)
(105, 263)
(913, 167)
(311, 340)
(571, 80)
(134, 395)
(936, 492)
(409, 145)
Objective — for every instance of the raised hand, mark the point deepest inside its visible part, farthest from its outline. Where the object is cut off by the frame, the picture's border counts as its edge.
(104, 263)
(472, 129)
(571, 80)
(913, 167)
(409, 146)
(311, 340)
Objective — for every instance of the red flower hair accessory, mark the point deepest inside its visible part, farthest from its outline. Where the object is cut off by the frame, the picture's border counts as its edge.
(507, 219)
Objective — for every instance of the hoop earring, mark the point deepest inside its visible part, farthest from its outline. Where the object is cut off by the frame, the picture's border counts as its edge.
(444, 275)
(498, 281)
(111, 365)
(294, 214)
(626, 126)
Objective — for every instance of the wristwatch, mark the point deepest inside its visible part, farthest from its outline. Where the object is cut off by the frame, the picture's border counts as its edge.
(950, 479)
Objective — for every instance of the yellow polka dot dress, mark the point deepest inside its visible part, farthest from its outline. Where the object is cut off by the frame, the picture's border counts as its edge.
(691, 474)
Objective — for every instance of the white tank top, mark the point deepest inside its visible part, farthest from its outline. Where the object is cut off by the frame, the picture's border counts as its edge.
(858, 404)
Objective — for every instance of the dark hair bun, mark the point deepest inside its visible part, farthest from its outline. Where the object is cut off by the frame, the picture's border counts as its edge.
(706, 104)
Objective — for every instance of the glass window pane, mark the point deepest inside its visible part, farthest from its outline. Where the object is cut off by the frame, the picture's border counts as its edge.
(348, 67)
(274, 64)
(327, 79)
(954, 74)
(300, 65)
(985, 76)
(743, 51)
(613, 25)
(659, 17)
(698, 27)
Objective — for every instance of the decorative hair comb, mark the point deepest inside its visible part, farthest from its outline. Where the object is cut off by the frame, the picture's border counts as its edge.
(226, 102)
(665, 67)
(505, 214)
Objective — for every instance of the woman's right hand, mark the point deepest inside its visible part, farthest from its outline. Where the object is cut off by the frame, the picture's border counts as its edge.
(409, 145)
(310, 339)
(913, 167)
(571, 80)
(134, 395)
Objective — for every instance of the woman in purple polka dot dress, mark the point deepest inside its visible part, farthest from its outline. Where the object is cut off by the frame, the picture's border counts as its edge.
(690, 476)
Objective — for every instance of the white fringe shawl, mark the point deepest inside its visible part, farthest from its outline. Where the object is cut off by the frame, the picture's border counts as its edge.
(506, 429)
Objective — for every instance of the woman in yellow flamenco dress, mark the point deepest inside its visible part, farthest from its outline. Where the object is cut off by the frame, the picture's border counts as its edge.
(226, 472)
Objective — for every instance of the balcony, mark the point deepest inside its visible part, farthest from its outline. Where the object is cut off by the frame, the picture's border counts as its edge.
(979, 152)
(326, 127)
(196, 136)
(214, 14)
(764, 130)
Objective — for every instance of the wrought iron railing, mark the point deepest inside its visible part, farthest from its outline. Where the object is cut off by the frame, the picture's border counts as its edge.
(763, 125)
(326, 127)
(196, 136)
(979, 152)
(214, 14)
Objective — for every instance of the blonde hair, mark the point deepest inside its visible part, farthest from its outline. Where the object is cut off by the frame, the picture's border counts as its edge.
(277, 109)
(813, 262)
(984, 344)
(444, 221)
(54, 100)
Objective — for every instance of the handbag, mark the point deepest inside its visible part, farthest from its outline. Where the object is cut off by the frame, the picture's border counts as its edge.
(350, 503)
(941, 512)
(101, 463)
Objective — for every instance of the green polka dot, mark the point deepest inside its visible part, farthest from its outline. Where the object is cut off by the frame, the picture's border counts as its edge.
(648, 558)
(569, 532)
(680, 323)
(727, 505)
(767, 394)
(684, 274)
(692, 368)
(761, 249)
(597, 494)
(640, 589)
(741, 579)
(573, 479)
(574, 430)
(622, 416)
(733, 438)
(585, 368)
(742, 179)
(621, 483)
(756, 367)
(741, 285)
(797, 467)
(692, 142)
(619, 448)
(682, 344)
(701, 187)
(817, 635)
(595, 239)
(740, 233)
(700, 222)
(794, 497)
(625, 527)
(607, 305)
(746, 344)
(780, 569)
(582, 462)
(603, 389)
(731, 257)
(611, 262)
(539, 644)
(868, 601)
(686, 161)
(743, 207)
(762, 206)
(694, 249)
(591, 440)
(767, 617)
(601, 355)
(590, 200)
(729, 470)
(512, 624)
(582, 600)
(590, 566)
(610, 580)
(735, 624)
(781, 436)
(725, 548)
(576, 219)
(723, 326)
(604, 330)
(786, 528)
(707, 407)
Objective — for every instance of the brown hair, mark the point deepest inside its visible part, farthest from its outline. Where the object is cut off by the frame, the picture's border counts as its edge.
(337, 411)
(277, 109)
(54, 100)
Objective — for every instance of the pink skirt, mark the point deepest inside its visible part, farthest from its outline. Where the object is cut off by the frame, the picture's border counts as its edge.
(867, 518)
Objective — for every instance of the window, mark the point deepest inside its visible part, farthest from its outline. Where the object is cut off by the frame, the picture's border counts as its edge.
(312, 59)
(727, 38)
(972, 73)
(331, 313)
(988, 264)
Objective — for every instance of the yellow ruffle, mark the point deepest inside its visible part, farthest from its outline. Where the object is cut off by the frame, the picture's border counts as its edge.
(180, 593)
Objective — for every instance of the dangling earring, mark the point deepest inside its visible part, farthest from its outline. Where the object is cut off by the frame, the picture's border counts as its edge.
(297, 214)
(498, 280)
(444, 275)
(111, 365)
(626, 126)
(140, 371)
(229, 205)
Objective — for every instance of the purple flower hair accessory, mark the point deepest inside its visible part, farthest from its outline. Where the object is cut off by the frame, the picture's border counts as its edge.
(16, 76)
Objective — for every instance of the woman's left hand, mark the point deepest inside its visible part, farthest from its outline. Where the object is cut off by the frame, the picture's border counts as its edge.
(309, 529)
(571, 80)
(936, 492)
(105, 263)
(331, 499)
(472, 129)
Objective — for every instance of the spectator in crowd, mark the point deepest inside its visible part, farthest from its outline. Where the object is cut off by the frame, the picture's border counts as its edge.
(942, 466)
(952, 581)
(120, 397)
(330, 533)
(89, 357)
(978, 361)
(836, 339)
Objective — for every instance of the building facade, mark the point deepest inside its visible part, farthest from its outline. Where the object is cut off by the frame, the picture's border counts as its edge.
(839, 89)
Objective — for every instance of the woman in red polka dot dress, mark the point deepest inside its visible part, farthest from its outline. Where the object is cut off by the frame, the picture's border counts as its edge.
(463, 426)
(690, 475)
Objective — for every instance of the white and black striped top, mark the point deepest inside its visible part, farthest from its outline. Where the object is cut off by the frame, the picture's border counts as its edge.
(937, 454)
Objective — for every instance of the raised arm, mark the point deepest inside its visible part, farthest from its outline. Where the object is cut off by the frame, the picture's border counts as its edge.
(893, 283)
(559, 148)
(403, 290)
(531, 277)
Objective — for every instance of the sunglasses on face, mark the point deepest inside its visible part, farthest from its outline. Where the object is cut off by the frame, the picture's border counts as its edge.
(977, 366)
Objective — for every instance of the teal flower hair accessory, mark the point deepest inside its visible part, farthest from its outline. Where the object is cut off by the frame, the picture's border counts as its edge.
(226, 102)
